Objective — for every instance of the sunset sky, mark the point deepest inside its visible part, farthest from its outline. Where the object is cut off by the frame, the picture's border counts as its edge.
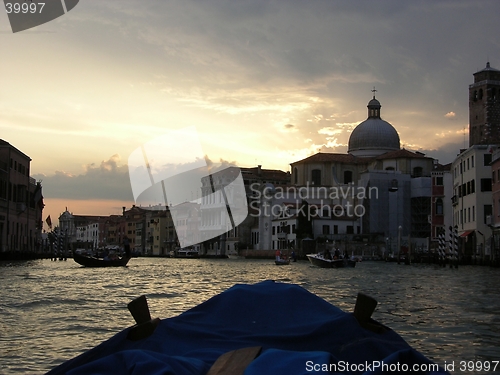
(264, 82)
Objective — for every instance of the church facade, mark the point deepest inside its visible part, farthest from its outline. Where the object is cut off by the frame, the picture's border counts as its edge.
(390, 183)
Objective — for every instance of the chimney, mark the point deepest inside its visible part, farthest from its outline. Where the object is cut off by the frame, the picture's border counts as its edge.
(259, 170)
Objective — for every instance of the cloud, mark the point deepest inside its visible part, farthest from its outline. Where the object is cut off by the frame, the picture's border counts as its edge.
(450, 115)
(446, 153)
(107, 180)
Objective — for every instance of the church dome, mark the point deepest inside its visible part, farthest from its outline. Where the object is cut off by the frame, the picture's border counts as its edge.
(373, 136)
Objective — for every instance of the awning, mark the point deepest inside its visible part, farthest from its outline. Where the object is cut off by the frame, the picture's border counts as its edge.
(466, 233)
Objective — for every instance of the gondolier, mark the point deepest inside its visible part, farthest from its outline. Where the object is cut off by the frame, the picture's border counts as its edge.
(126, 245)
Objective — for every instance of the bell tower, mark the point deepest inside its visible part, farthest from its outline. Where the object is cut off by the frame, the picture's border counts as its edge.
(484, 107)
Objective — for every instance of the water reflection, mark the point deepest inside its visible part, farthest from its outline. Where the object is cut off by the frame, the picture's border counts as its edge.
(52, 311)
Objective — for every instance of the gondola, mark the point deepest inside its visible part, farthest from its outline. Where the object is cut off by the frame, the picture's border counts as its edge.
(87, 261)
(282, 262)
(320, 261)
(238, 332)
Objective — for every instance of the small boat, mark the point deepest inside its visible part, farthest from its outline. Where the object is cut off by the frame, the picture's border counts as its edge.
(320, 261)
(89, 261)
(236, 332)
(186, 253)
(282, 262)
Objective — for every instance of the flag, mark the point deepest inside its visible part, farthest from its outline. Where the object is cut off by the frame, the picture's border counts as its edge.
(49, 221)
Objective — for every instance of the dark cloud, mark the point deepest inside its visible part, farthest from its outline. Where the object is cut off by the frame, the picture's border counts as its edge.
(108, 180)
(444, 154)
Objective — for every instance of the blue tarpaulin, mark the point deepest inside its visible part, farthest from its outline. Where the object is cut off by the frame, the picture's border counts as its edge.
(299, 333)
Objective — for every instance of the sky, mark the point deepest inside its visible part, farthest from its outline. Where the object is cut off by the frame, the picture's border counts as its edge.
(264, 83)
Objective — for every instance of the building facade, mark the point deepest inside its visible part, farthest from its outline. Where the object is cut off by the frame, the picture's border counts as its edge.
(472, 201)
(392, 185)
(441, 208)
(21, 203)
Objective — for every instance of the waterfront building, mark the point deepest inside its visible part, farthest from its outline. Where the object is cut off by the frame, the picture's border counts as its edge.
(472, 200)
(158, 227)
(89, 234)
(392, 185)
(236, 227)
(21, 204)
(112, 231)
(135, 221)
(473, 177)
(69, 224)
(441, 208)
(494, 220)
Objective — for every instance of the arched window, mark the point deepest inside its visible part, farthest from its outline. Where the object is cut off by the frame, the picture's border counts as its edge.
(480, 94)
(347, 177)
(439, 206)
(417, 172)
(316, 177)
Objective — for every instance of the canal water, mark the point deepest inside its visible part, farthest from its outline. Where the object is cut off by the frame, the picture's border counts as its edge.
(53, 311)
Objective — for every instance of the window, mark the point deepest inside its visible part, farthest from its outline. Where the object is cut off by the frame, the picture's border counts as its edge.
(326, 229)
(347, 177)
(439, 181)
(295, 175)
(488, 210)
(468, 166)
(493, 177)
(350, 229)
(487, 159)
(316, 177)
(472, 161)
(439, 206)
(486, 184)
(335, 229)
(473, 213)
(417, 172)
